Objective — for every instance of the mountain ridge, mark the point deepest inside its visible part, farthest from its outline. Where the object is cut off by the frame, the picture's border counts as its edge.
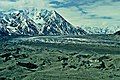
(20, 22)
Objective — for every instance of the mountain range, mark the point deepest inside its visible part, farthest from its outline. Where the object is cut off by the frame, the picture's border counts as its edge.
(30, 23)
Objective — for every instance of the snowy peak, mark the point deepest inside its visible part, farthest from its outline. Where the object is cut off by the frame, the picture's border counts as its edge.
(55, 24)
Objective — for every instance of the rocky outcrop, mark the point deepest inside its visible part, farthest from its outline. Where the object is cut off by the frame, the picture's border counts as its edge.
(117, 33)
(27, 65)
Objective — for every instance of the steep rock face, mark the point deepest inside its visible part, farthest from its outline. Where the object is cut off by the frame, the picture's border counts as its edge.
(21, 22)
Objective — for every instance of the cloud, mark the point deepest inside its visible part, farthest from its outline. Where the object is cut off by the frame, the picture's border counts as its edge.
(10, 0)
(71, 3)
(115, 0)
(79, 4)
(13, 0)
(98, 17)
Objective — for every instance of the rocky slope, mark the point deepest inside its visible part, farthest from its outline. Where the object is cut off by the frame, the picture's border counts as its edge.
(44, 22)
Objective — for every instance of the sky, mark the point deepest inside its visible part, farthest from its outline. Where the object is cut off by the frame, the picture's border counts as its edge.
(88, 13)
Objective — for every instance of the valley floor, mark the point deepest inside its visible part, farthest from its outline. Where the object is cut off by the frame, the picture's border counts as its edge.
(92, 57)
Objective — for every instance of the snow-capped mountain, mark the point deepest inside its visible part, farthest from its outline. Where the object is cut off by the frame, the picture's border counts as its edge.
(55, 24)
(23, 22)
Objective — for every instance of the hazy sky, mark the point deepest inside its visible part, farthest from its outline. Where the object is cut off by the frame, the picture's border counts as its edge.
(98, 13)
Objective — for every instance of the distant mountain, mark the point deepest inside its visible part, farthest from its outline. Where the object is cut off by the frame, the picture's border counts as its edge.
(30, 23)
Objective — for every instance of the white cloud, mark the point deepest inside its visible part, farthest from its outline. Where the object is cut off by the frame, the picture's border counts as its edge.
(6, 5)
